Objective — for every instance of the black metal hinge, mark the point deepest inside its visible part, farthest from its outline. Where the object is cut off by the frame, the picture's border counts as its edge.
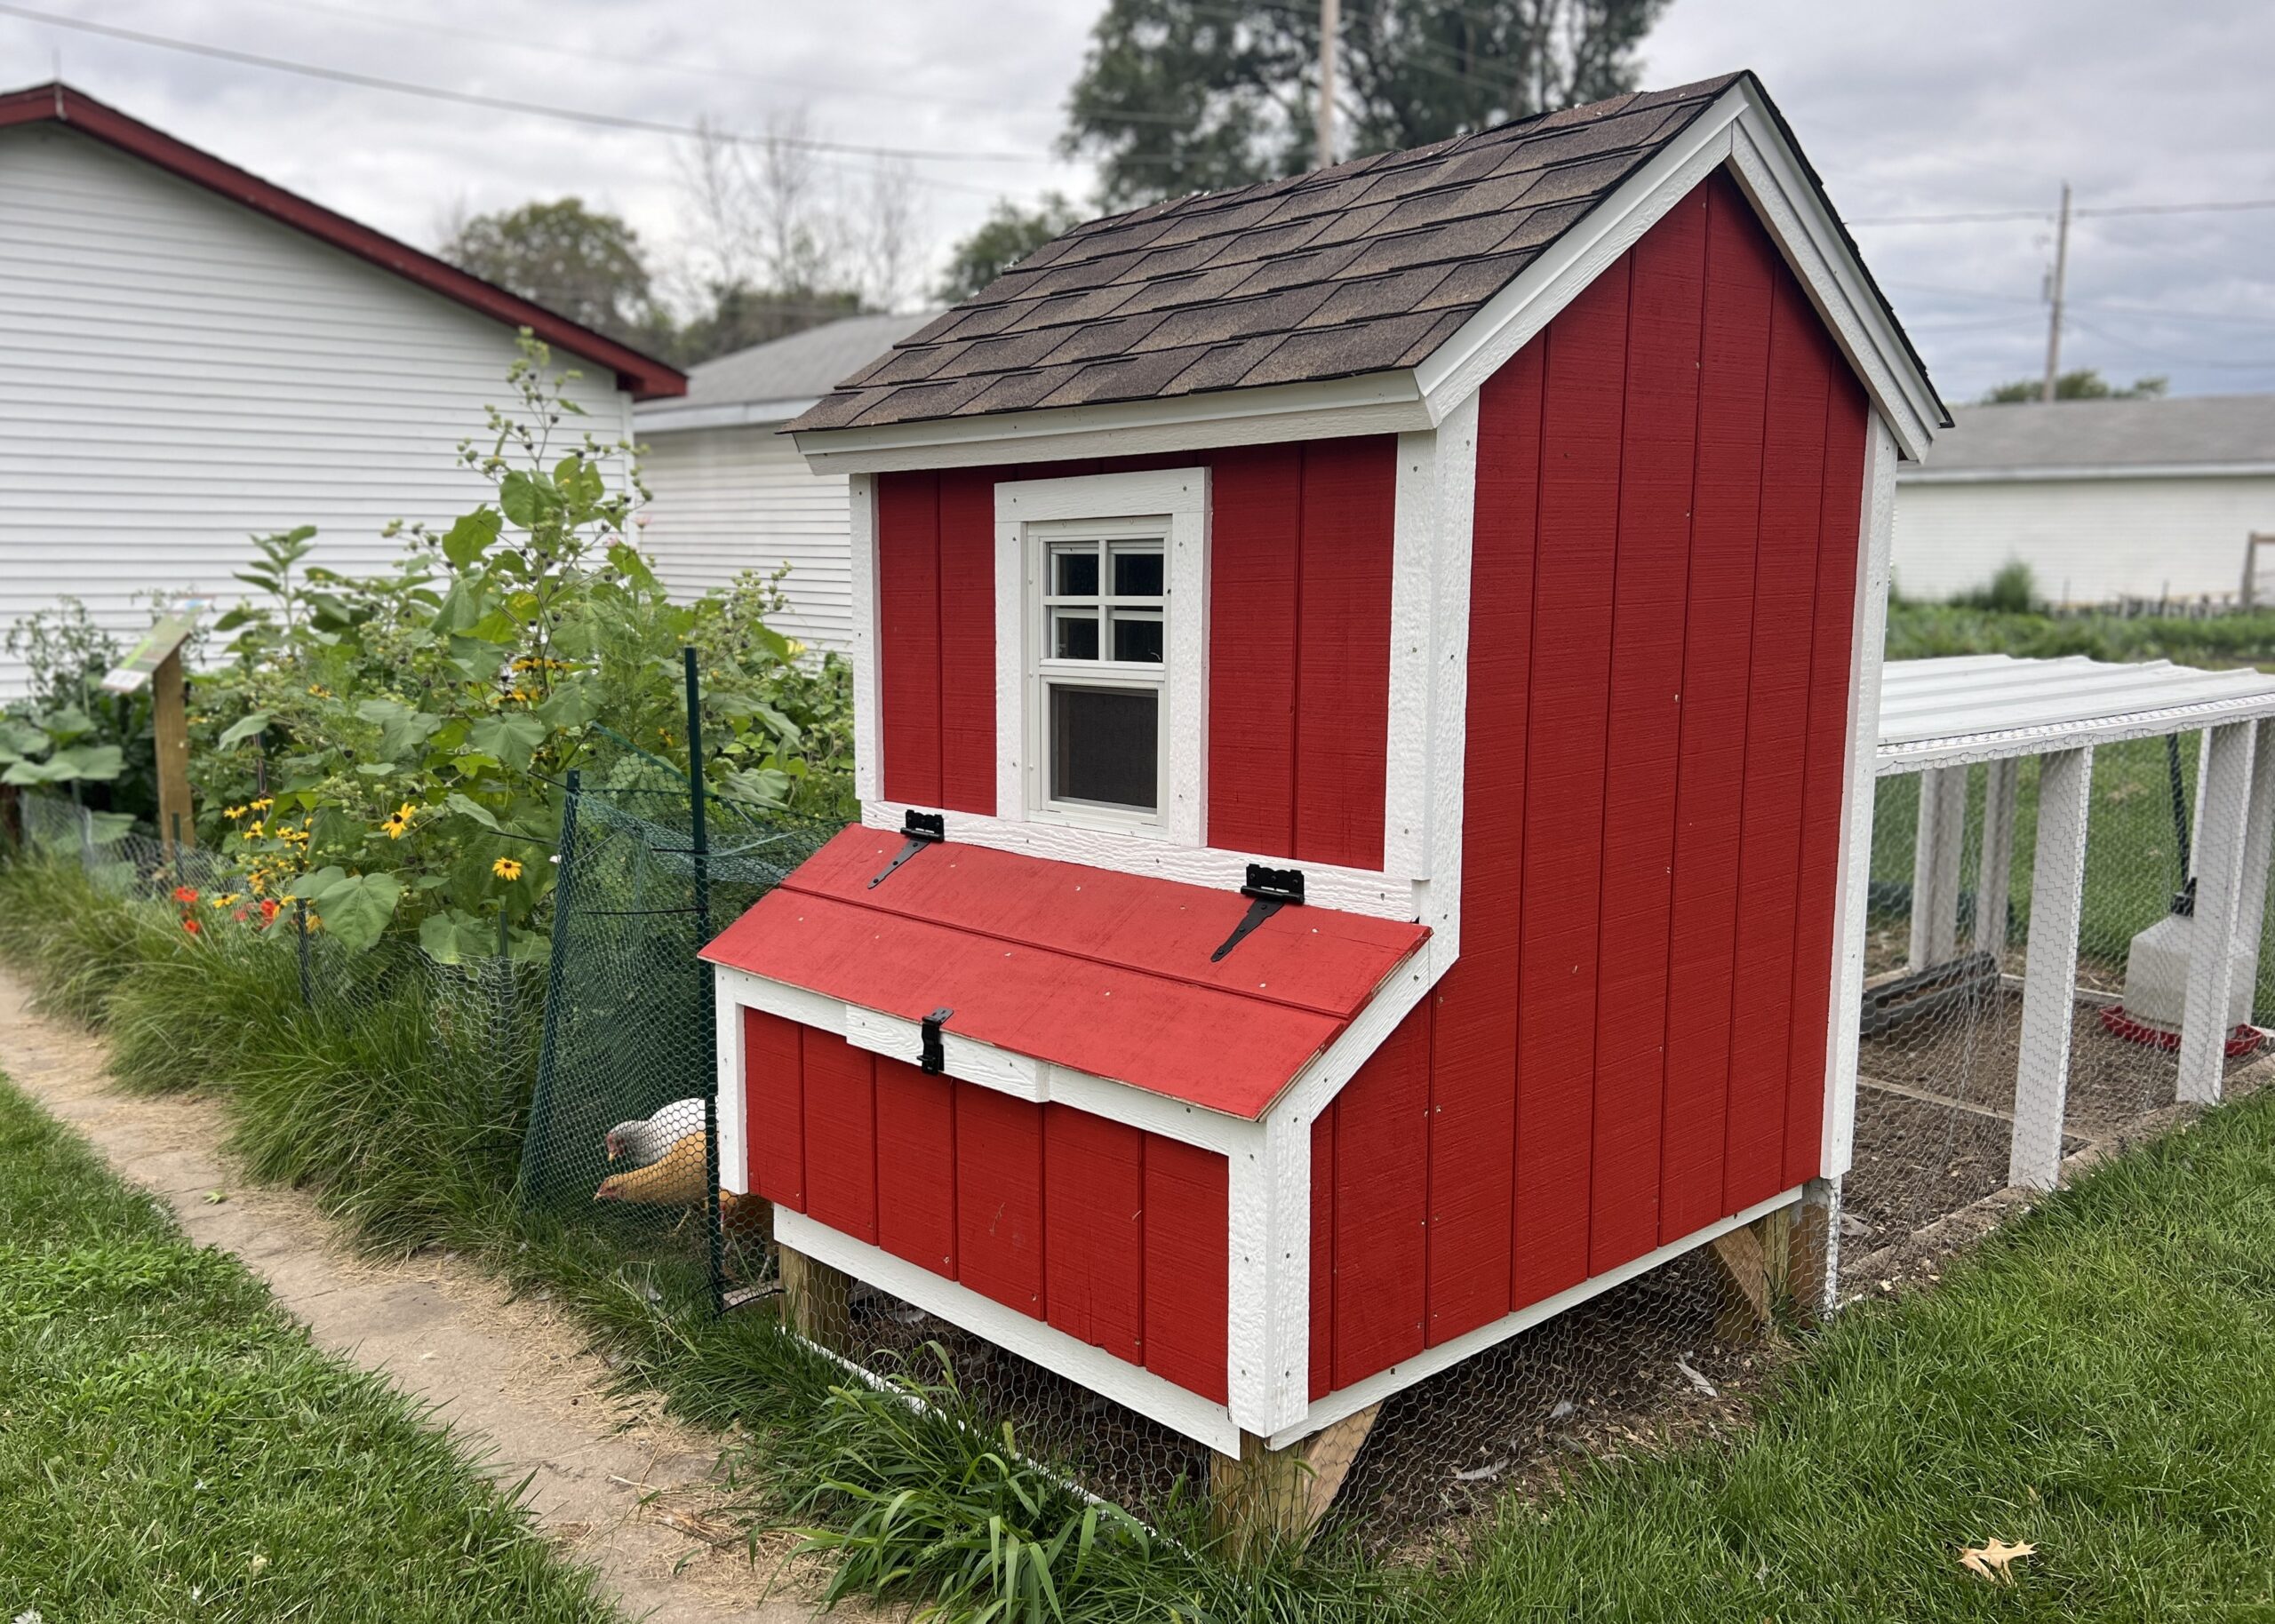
(1268, 890)
(934, 1056)
(918, 830)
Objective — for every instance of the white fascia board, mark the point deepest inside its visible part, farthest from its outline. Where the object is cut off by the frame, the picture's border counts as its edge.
(1187, 1413)
(1374, 403)
(1860, 752)
(1912, 474)
(1349, 1401)
(1738, 129)
(669, 419)
(1151, 855)
(1021, 1076)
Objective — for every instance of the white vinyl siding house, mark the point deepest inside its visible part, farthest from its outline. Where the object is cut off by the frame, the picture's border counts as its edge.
(179, 370)
(732, 493)
(731, 499)
(2104, 500)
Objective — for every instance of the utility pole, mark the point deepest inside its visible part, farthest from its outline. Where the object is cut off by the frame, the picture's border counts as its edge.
(2054, 327)
(1330, 24)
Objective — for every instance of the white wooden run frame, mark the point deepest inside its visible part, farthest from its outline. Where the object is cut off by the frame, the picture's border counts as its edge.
(1938, 717)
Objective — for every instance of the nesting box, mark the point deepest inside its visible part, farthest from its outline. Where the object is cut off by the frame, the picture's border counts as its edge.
(1364, 693)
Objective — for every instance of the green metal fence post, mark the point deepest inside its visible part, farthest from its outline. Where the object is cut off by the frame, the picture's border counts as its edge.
(549, 1032)
(706, 1018)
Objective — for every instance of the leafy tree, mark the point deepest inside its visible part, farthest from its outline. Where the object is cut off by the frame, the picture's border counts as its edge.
(1009, 235)
(1178, 96)
(586, 265)
(737, 316)
(2085, 384)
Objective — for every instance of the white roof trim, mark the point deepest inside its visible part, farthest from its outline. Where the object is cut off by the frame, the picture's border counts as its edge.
(669, 417)
(1375, 403)
(1739, 129)
(1946, 712)
(2053, 473)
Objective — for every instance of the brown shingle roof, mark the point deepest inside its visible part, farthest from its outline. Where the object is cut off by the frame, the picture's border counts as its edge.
(1364, 268)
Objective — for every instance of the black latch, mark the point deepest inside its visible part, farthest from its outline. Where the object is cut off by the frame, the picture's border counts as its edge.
(1268, 890)
(934, 1058)
(918, 830)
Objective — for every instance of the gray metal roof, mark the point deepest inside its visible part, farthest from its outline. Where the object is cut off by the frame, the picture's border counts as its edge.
(1981, 707)
(1364, 268)
(2199, 433)
(771, 381)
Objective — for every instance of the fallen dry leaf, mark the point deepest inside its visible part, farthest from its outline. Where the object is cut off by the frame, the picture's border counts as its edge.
(1989, 1559)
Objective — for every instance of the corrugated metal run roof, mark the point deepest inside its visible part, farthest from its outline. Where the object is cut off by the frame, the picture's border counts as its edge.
(2201, 434)
(1982, 707)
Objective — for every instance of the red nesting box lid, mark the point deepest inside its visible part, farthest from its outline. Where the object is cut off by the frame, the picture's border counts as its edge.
(1106, 973)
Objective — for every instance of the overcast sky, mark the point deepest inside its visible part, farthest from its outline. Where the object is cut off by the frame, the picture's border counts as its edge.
(1926, 108)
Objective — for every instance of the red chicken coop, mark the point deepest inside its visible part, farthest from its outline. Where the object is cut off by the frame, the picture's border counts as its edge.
(1364, 700)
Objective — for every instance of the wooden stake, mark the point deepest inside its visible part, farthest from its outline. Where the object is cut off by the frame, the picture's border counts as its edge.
(1756, 1262)
(170, 720)
(817, 1299)
(1273, 1496)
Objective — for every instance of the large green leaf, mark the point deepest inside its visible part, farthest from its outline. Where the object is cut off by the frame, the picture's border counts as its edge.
(471, 535)
(453, 937)
(404, 732)
(527, 497)
(514, 740)
(472, 808)
(244, 727)
(357, 908)
(93, 763)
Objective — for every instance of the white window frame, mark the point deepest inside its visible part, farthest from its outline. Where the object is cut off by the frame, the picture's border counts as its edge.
(1171, 504)
(1046, 670)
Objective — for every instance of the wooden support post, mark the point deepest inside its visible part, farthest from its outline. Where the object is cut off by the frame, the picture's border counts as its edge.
(2259, 844)
(817, 1299)
(1996, 865)
(2223, 806)
(1813, 1252)
(1271, 1496)
(1756, 1261)
(2050, 969)
(169, 721)
(1936, 866)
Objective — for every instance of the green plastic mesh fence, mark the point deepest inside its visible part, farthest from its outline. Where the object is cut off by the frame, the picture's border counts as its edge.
(621, 1130)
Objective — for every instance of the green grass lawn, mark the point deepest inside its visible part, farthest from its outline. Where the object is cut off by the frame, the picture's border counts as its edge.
(2099, 1381)
(171, 1446)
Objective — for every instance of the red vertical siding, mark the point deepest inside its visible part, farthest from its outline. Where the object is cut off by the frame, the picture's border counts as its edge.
(1660, 428)
(908, 635)
(999, 1196)
(1825, 790)
(1473, 1101)
(840, 1134)
(1585, 358)
(774, 1108)
(916, 1169)
(1382, 1204)
(1733, 380)
(1342, 651)
(1255, 528)
(967, 576)
(1667, 498)
(1777, 708)
(1095, 1229)
(1187, 1266)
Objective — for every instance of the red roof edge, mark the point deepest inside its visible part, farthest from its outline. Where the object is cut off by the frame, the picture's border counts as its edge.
(643, 376)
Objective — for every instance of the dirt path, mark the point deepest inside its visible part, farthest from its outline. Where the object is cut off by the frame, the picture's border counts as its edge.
(615, 1484)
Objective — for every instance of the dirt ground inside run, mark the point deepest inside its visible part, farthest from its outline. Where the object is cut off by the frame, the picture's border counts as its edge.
(613, 1482)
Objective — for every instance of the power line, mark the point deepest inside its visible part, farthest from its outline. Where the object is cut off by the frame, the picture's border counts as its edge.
(613, 120)
(2109, 211)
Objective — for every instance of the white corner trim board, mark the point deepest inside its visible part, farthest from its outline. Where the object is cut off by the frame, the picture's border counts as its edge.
(1877, 524)
(1150, 1396)
(1349, 1401)
(868, 735)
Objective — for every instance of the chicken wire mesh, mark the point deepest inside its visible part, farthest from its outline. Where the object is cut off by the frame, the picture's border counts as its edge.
(1944, 1091)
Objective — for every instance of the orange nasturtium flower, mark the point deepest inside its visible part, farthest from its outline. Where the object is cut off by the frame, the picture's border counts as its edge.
(505, 868)
(185, 893)
(192, 926)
